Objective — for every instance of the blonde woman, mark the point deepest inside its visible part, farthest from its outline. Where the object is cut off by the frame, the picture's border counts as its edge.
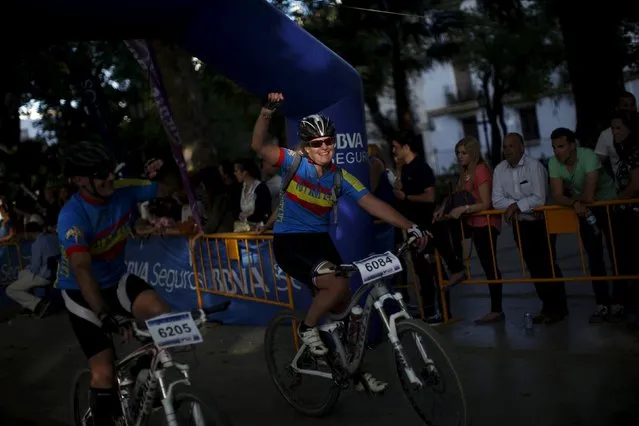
(473, 194)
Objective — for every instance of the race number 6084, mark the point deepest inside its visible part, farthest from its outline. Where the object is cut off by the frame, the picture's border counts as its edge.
(376, 264)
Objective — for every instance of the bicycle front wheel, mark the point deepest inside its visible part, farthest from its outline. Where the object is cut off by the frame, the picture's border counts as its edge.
(191, 411)
(440, 401)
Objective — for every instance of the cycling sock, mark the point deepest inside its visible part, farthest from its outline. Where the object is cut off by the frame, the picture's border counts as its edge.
(304, 327)
(103, 406)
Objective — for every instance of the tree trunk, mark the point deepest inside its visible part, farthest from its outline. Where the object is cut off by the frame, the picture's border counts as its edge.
(500, 124)
(403, 108)
(383, 123)
(492, 114)
(495, 136)
(10, 91)
(9, 115)
(184, 93)
(594, 56)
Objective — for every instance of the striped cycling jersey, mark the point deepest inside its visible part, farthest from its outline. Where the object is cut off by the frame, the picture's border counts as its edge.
(100, 228)
(307, 204)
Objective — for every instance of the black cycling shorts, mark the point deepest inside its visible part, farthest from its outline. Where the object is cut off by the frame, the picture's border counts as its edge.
(299, 254)
(86, 325)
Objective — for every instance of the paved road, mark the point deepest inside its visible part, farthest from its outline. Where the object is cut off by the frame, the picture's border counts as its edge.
(565, 375)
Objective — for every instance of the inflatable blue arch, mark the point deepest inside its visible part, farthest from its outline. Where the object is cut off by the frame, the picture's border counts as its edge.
(255, 45)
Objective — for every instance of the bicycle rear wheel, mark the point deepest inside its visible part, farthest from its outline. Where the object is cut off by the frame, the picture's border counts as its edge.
(323, 391)
(434, 367)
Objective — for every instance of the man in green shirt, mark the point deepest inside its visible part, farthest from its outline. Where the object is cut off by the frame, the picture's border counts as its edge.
(580, 171)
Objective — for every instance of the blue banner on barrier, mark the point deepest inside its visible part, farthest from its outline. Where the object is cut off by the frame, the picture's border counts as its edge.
(165, 263)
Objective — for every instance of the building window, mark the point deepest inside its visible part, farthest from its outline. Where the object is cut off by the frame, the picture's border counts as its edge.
(469, 125)
(463, 82)
(529, 124)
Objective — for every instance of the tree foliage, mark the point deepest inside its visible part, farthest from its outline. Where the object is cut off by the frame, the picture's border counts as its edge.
(516, 52)
(387, 42)
(212, 112)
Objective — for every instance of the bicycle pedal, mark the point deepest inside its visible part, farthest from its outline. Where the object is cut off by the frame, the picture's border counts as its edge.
(362, 385)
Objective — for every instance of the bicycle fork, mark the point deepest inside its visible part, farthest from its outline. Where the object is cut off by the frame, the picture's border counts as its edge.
(381, 295)
(166, 390)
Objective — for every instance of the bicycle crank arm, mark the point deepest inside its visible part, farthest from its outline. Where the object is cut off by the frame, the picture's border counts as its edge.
(299, 370)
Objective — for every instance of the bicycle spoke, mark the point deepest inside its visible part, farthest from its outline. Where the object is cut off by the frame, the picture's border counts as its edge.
(440, 401)
(306, 392)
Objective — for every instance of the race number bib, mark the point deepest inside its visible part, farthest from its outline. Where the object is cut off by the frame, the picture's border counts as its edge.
(174, 330)
(378, 266)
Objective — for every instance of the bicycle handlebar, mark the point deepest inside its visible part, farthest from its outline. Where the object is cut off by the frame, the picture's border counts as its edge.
(199, 316)
(348, 268)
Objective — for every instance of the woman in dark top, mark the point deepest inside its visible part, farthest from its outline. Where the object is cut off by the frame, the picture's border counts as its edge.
(233, 187)
(255, 197)
(218, 207)
(625, 130)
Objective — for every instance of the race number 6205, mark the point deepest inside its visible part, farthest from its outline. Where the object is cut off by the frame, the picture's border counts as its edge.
(174, 330)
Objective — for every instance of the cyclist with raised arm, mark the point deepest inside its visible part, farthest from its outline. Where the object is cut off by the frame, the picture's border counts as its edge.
(301, 240)
(98, 293)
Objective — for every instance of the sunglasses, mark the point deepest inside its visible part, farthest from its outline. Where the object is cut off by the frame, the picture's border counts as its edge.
(319, 143)
(103, 173)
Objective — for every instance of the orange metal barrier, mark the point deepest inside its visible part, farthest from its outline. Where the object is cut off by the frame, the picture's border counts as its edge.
(412, 280)
(220, 259)
(559, 221)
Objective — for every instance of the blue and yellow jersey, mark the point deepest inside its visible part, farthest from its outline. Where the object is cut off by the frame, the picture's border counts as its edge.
(307, 204)
(100, 228)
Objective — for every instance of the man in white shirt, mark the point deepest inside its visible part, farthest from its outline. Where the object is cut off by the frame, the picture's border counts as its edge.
(520, 184)
(605, 144)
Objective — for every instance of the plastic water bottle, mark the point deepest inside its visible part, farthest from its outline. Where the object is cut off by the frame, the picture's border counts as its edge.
(592, 221)
(354, 323)
(528, 322)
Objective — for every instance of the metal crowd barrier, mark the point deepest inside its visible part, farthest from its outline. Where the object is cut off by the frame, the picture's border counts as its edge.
(235, 252)
(559, 221)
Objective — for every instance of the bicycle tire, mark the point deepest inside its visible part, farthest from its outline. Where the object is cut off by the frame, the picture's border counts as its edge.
(436, 341)
(334, 391)
(76, 416)
(212, 417)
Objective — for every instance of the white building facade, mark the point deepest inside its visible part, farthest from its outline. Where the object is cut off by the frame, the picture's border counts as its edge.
(444, 100)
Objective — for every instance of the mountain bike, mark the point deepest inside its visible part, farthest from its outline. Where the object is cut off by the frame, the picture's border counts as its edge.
(148, 373)
(432, 371)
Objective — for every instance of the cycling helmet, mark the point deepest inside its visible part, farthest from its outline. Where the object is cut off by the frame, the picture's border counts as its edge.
(315, 126)
(89, 159)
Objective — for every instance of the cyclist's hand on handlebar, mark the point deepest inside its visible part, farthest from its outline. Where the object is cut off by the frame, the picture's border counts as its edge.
(117, 324)
(421, 237)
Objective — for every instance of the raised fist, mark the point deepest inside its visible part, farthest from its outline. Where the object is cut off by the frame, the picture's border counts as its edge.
(273, 101)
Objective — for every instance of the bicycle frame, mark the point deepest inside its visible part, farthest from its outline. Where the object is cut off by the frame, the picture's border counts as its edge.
(379, 294)
(161, 360)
